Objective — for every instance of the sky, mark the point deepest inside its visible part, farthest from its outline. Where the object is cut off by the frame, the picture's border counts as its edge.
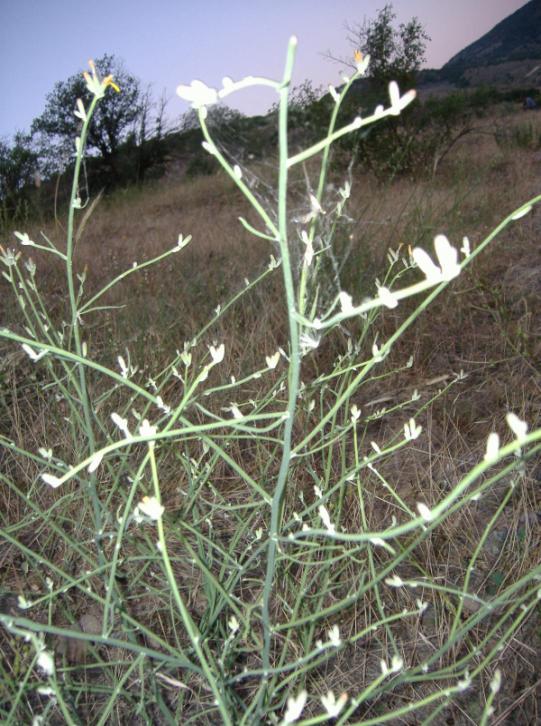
(168, 42)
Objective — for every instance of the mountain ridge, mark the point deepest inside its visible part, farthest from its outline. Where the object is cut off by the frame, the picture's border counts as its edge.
(517, 37)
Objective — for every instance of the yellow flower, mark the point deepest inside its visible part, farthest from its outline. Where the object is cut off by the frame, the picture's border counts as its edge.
(97, 86)
(358, 56)
(108, 81)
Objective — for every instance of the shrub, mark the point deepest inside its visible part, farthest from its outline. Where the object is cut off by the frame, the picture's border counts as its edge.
(223, 533)
(520, 136)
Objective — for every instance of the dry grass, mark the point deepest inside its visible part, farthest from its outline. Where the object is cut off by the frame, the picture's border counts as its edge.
(486, 324)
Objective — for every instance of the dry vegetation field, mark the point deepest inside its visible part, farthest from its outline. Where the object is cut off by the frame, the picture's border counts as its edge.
(486, 324)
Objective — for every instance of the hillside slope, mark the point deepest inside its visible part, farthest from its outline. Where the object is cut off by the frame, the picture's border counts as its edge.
(516, 38)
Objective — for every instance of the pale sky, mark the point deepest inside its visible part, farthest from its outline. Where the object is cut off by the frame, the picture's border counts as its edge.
(167, 42)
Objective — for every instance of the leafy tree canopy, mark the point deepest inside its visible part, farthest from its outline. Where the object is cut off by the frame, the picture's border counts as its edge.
(395, 53)
(18, 165)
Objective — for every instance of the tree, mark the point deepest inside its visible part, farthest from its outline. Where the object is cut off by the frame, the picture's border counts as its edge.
(395, 54)
(219, 117)
(18, 166)
(114, 117)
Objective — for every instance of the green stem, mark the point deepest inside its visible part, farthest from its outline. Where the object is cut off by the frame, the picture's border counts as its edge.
(75, 330)
(294, 360)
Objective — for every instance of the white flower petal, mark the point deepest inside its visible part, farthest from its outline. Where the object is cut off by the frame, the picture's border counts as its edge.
(466, 247)
(387, 297)
(295, 705)
(334, 95)
(95, 462)
(272, 360)
(326, 518)
(145, 429)
(333, 705)
(217, 353)
(345, 303)
(52, 480)
(150, 507)
(46, 662)
(122, 423)
(496, 681)
(31, 353)
(394, 581)
(447, 257)
(517, 426)
(233, 624)
(394, 94)
(431, 271)
(493, 446)
(425, 512)
(198, 94)
(334, 636)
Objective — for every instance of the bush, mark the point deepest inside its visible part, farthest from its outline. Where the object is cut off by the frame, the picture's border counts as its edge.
(232, 543)
(520, 136)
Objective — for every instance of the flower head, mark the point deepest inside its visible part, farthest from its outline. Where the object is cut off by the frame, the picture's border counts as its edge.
(295, 705)
(198, 94)
(95, 84)
(398, 102)
(150, 507)
(333, 705)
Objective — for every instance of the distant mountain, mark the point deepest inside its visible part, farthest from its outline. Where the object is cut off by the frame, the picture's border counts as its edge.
(513, 45)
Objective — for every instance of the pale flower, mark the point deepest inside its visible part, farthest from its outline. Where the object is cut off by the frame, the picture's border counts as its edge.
(411, 430)
(145, 429)
(198, 94)
(31, 353)
(95, 461)
(97, 86)
(394, 581)
(518, 427)
(334, 95)
(24, 239)
(398, 102)
(124, 370)
(334, 636)
(233, 624)
(122, 424)
(387, 297)
(46, 662)
(150, 507)
(295, 705)
(23, 603)
(466, 247)
(326, 519)
(425, 512)
(52, 480)
(217, 353)
(447, 257)
(396, 665)
(332, 705)
(376, 352)
(361, 61)
(431, 271)
(272, 360)
(496, 681)
(80, 112)
(346, 303)
(493, 446)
